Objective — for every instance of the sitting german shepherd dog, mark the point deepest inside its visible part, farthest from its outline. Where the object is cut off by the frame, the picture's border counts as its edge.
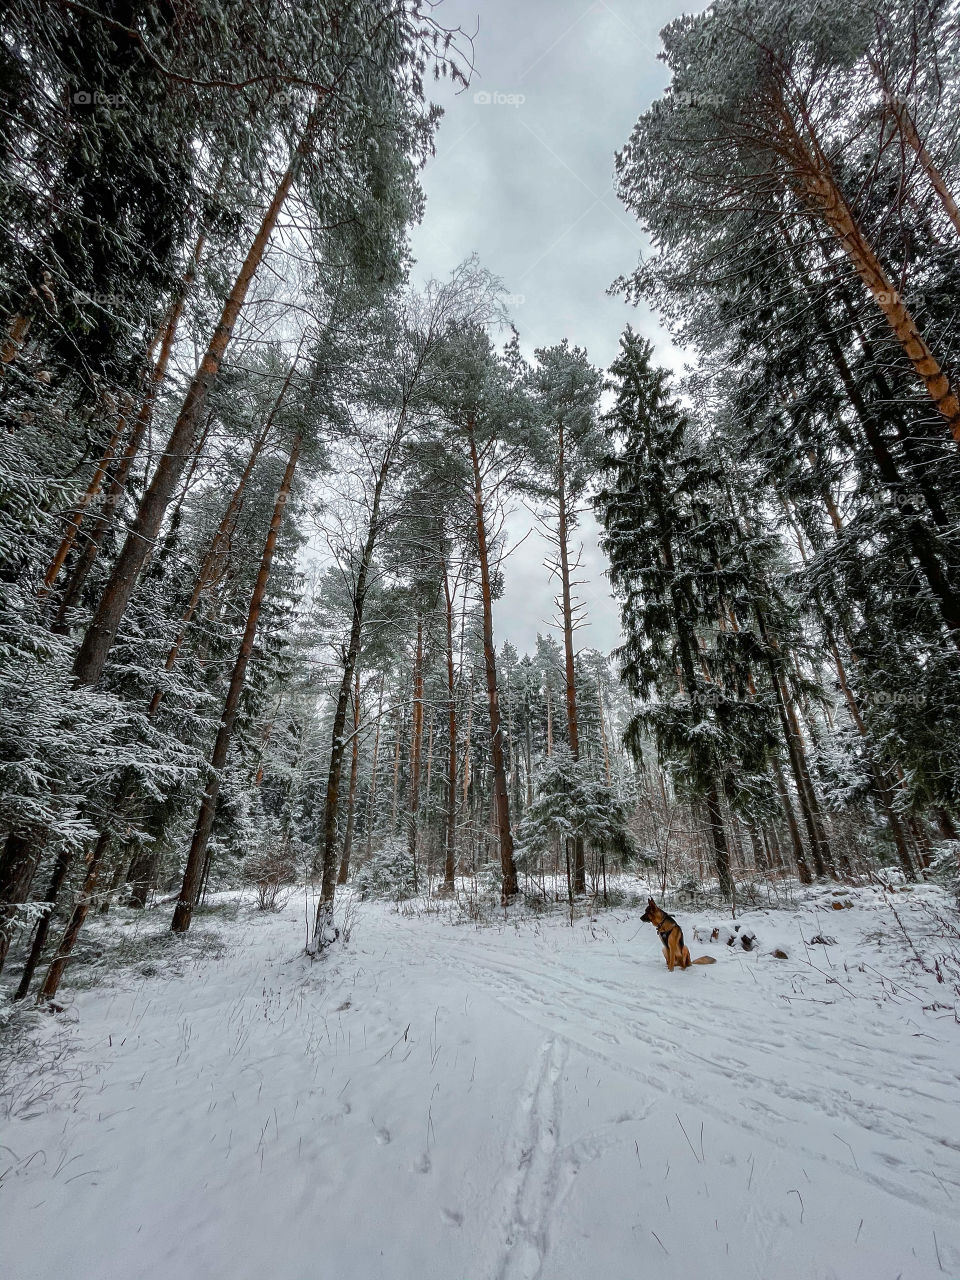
(671, 935)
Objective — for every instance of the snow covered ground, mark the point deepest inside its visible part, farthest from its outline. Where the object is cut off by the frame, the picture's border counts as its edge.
(515, 1101)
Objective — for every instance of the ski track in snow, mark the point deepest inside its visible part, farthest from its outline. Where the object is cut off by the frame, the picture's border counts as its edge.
(558, 998)
(446, 1103)
(531, 1161)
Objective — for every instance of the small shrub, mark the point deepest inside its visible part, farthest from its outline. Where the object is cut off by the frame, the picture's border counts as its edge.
(269, 871)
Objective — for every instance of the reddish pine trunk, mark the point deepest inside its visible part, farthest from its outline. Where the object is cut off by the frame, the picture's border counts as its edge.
(207, 572)
(133, 555)
(208, 806)
(908, 131)
(501, 795)
(921, 544)
(17, 329)
(89, 497)
(94, 863)
(145, 864)
(113, 497)
(817, 187)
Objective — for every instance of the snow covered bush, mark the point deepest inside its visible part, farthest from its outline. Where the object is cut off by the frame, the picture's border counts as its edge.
(389, 873)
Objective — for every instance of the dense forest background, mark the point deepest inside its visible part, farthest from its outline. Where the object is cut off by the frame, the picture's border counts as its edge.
(213, 358)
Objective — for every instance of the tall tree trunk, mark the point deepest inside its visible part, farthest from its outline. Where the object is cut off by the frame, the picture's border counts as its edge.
(59, 874)
(208, 572)
(427, 783)
(416, 743)
(372, 801)
(501, 795)
(908, 131)
(528, 752)
(801, 777)
(918, 536)
(116, 594)
(818, 189)
(449, 862)
(466, 755)
(18, 327)
(687, 647)
(145, 864)
(79, 914)
(603, 731)
(18, 862)
(165, 338)
(573, 729)
(881, 782)
(328, 853)
(397, 740)
(143, 875)
(89, 498)
(799, 854)
(344, 871)
(718, 838)
(208, 805)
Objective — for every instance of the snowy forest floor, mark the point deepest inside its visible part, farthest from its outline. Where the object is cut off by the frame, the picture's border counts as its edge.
(521, 1099)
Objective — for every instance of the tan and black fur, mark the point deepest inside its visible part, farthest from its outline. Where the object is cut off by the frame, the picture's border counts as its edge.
(671, 935)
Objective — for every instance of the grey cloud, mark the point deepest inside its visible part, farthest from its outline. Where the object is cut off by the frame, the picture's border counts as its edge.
(529, 187)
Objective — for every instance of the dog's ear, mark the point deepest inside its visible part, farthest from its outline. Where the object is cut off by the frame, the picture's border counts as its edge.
(651, 903)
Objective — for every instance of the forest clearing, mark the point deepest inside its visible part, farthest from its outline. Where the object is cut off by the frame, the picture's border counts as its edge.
(495, 1099)
(470, 484)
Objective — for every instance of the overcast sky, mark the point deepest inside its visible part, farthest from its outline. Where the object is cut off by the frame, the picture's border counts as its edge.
(523, 176)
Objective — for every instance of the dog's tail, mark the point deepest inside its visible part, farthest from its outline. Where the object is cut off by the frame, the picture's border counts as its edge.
(704, 960)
